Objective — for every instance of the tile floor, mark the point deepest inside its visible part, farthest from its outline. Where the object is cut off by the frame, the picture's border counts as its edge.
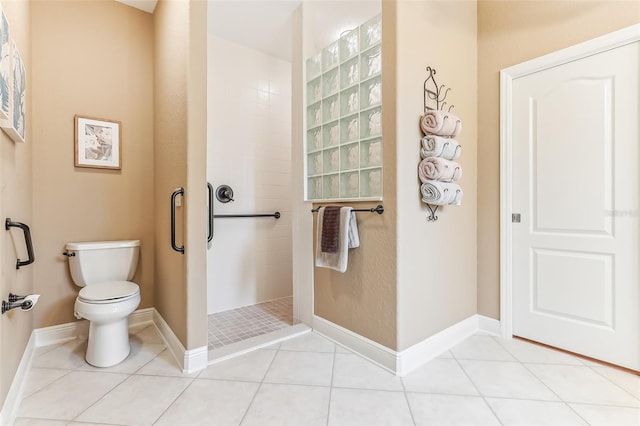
(249, 321)
(309, 380)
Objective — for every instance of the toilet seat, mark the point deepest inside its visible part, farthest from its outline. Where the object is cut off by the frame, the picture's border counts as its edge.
(109, 292)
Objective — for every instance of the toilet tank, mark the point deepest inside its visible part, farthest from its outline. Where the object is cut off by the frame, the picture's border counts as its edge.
(101, 261)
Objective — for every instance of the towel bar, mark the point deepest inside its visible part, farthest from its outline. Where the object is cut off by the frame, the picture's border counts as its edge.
(378, 209)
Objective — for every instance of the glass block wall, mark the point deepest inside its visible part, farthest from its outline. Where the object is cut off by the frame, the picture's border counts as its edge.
(344, 117)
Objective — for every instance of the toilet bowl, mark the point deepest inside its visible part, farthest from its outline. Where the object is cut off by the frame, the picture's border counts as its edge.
(107, 298)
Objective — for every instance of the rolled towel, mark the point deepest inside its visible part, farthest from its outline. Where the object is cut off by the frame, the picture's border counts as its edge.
(441, 193)
(441, 123)
(436, 168)
(437, 146)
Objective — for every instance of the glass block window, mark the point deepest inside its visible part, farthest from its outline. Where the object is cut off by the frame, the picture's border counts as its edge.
(344, 117)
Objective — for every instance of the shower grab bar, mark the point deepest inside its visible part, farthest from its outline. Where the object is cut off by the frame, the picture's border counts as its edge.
(210, 192)
(222, 216)
(27, 240)
(377, 209)
(179, 191)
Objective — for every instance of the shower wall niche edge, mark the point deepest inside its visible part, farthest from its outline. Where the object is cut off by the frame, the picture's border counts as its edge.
(343, 140)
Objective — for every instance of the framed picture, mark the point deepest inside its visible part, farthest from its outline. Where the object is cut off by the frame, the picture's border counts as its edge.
(15, 126)
(5, 66)
(97, 143)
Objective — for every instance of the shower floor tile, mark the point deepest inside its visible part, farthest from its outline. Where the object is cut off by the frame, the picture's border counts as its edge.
(249, 321)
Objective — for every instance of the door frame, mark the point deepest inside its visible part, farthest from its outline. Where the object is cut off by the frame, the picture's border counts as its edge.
(507, 76)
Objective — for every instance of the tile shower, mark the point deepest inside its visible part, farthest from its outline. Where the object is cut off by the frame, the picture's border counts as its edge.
(249, 278)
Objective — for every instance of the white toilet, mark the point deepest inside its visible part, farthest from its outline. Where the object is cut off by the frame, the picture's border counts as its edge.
(107, 298)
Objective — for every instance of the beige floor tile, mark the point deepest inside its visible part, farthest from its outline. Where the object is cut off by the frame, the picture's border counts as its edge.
(210, 402)
(139, 400)
(449, 410)
(69, 396)
(288, 405)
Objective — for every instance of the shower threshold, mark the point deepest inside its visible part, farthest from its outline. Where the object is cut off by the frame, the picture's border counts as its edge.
(229, 327)
(263, 341)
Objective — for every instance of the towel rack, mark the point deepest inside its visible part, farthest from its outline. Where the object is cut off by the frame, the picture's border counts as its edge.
(377, 209)
(434, 94)
(222, 216)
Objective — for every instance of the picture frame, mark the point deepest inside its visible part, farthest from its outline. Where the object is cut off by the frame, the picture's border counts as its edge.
(5, 67)
(98, 143)
(16, 125)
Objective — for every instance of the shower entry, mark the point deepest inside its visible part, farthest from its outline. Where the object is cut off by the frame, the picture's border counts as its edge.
(249, 279)
(254, 165)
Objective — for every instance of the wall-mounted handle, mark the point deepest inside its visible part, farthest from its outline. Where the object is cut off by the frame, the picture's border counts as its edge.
(27, 239)
(224, 194)
(179, 191)
(210, 192)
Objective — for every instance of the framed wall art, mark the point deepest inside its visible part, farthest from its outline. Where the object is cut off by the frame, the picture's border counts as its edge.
(16, 124)
(5, 66)
(98, 143)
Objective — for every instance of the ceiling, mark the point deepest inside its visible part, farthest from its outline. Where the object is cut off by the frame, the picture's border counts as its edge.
(263, 25)
(146, 5)
(266, 25)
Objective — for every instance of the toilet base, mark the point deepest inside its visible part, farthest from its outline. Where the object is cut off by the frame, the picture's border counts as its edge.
(108, 343)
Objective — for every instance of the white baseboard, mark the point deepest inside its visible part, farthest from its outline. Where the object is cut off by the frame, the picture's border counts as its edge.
(14, 396)
(401, 363)
(173, 343)
(196, 359)
(61, 333)
(489, 325)
(367, 348)
(423, 352)
(141, 316)
(192, 360)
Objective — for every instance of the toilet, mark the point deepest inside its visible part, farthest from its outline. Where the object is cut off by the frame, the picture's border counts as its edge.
(107, 297)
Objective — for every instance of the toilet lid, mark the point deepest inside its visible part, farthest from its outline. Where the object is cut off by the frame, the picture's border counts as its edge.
(109, 290)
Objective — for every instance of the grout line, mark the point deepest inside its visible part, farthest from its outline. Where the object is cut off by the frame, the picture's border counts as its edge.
(406, 397)
(101, 398)
(457, 361)
(553, 392)
(174, 400)
(333, 370)
(259, 387)
(614, 383)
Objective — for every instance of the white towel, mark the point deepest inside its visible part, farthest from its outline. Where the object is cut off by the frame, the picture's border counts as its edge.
(436, 168)
(438, 146)
(441, 193)
(349, 238)
(441, 123)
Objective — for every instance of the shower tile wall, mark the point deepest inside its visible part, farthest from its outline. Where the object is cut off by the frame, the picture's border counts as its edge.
(249, 148)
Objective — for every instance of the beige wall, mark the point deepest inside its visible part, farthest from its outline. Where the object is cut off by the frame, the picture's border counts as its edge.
(363, 299)
(94, 59)
(411, 278)
(180, 140)
(170, 21)
(15, 202)
(436, 261)
(511, 32)
(196, 207)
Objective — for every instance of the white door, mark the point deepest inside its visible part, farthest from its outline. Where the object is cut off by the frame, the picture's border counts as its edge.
(575, 161)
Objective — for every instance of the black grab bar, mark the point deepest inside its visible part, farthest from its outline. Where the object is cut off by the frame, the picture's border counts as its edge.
(179, 191)
(221, 216)
(27, 239)
(210, 199)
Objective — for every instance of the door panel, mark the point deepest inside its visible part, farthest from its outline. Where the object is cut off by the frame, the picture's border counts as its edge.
(574, 187)
(576, 183)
